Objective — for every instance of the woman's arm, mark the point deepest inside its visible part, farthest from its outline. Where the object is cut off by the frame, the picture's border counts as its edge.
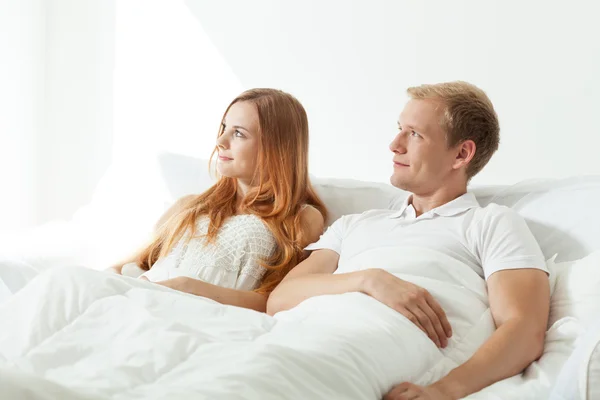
(233, 297)
(118, 267)
(311, 222)
(174, 209)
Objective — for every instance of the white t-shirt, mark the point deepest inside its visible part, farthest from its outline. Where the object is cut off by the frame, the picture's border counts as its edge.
(486, 239)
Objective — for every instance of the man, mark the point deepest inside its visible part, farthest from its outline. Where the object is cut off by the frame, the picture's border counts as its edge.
(447, 134)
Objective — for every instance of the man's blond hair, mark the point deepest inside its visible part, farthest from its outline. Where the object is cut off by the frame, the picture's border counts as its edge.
(468, 115)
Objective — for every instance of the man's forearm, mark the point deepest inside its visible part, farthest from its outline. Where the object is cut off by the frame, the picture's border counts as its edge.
(293, 291)
(511, 348)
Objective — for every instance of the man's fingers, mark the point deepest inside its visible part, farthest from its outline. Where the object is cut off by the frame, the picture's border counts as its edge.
(435, 322)
(398, 392)
(426, 323)
(408, 314)
(435, 306)
(410, 395)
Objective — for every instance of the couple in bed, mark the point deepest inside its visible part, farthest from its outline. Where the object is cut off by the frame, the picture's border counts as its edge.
(254, 239)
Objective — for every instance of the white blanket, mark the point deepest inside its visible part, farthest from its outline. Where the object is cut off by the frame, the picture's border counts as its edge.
(75, 333)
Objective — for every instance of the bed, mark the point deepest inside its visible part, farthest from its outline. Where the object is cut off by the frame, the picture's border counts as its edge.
(98, 336)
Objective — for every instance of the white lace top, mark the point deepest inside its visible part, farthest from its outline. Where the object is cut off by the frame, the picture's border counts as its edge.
(230, 261)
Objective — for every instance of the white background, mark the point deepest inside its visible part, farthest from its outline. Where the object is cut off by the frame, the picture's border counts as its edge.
(87, 82)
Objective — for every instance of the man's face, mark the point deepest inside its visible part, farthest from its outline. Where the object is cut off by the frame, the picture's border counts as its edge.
(422, 159)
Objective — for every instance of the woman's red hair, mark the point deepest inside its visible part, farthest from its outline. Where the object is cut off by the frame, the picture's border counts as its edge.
(283, 187)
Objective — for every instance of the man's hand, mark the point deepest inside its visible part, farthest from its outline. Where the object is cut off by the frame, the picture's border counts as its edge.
(408, 391)
(412, 301)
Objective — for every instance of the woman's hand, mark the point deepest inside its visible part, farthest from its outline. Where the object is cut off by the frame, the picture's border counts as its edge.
(177, 283)
(114, 270)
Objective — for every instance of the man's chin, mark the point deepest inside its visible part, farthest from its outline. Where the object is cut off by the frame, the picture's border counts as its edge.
(399, 183)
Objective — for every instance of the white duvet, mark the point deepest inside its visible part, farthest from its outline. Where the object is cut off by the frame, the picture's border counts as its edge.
(75, 333)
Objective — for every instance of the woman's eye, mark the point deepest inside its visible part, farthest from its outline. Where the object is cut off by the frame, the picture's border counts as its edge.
(415, 134)
(237, 133)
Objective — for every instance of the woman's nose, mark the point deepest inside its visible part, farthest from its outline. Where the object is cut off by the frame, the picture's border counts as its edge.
(222, 140)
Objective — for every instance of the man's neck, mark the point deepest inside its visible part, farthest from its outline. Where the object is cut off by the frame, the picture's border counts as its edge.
(426, 202)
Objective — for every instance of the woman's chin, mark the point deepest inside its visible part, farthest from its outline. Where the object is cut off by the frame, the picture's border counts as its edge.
(226, 173)
(223, 171)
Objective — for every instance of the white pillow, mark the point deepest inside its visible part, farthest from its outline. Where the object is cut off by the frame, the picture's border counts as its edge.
(576, 300)
(576, 289)
(562, 214)
(581, 372)
(14, 275)
(346, 196)
(593, 373)
(184, 175)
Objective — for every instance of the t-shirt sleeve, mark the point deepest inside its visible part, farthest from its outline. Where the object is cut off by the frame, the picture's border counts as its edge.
(333, 236)
(506, 242)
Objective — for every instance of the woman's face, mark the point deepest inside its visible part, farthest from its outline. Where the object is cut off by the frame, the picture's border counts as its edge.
(238, 143)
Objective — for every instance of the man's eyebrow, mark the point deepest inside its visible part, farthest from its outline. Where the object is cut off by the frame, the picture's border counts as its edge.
(416, 128)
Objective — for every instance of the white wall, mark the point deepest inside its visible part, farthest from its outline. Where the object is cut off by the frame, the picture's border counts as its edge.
(171, 83)
(349, 62)
(74, 148)
(124, 79)
(56, 104)
(21, 90)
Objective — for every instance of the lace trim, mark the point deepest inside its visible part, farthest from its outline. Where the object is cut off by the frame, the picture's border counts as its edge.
(255, 271)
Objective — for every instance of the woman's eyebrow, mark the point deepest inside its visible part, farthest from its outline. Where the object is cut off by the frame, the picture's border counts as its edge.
(240, 127)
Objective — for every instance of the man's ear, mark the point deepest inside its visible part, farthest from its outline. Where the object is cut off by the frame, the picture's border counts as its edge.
(465, 153)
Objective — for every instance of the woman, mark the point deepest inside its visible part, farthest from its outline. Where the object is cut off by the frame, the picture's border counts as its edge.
(235, 242)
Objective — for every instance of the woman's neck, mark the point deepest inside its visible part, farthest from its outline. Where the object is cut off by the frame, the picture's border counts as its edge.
(242, 190)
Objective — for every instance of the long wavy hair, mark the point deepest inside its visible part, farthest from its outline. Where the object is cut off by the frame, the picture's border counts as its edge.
(282, 188)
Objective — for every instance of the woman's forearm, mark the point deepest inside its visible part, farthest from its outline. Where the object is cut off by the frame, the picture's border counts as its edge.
(234, 297)
(118, 267)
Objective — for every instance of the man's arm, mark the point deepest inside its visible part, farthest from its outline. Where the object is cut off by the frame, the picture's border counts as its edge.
(519, 301)
(314, 277)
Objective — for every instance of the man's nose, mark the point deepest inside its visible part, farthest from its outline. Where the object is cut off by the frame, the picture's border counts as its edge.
(398, 145)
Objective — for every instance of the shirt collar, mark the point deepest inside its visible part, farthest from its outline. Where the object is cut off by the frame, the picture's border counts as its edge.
(454, 207)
